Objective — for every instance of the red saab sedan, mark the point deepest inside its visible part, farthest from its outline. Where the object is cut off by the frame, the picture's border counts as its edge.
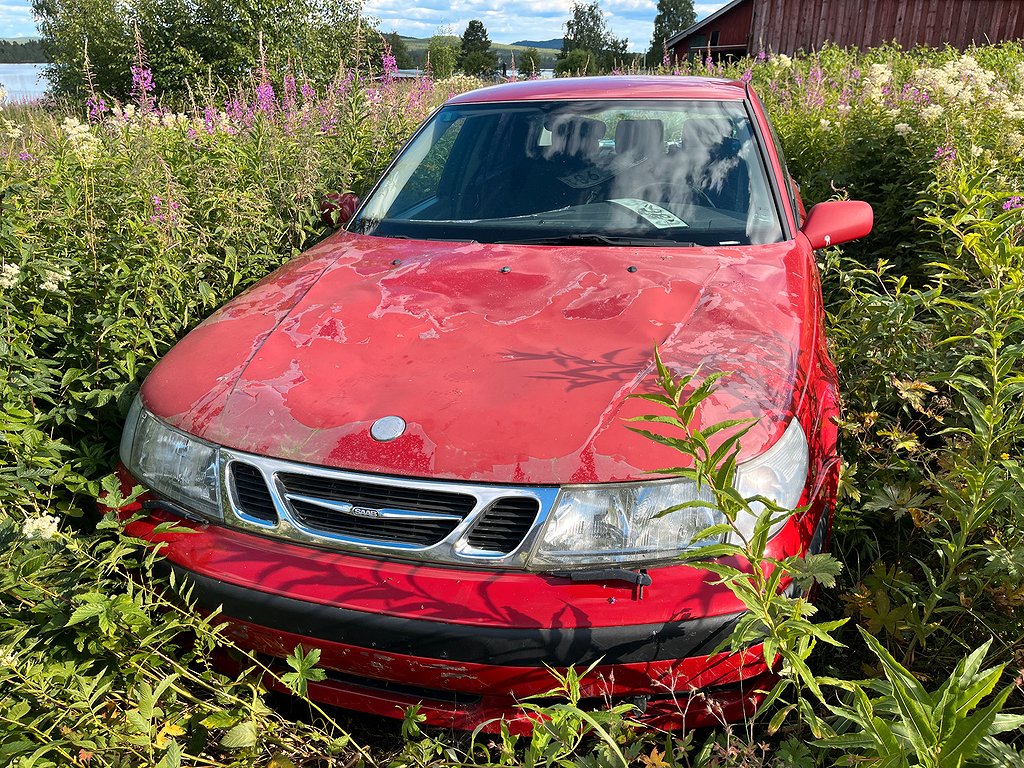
(407, 446)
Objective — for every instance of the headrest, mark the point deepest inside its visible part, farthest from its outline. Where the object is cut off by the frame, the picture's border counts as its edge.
(577, 137)
(640, 138)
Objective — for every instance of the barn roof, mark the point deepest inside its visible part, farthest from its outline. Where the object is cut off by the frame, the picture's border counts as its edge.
(670, 42)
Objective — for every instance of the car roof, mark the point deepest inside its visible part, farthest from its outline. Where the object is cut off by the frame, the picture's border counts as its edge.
(612, 87)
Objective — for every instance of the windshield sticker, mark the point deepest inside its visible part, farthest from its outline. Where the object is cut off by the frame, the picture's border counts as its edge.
(588, 177)
(651, 213)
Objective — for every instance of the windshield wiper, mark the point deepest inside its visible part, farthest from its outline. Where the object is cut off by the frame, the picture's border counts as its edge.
(584, 238)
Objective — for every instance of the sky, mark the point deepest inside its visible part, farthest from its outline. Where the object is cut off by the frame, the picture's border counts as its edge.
(506, 21)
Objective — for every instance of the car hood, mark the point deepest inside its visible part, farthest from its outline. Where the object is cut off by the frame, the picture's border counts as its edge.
(509, 364)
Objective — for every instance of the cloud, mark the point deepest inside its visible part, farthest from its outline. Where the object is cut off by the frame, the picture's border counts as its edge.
(16, 19)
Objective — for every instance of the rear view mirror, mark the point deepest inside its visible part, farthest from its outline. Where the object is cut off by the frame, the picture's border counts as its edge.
(837, 221)
(337, 209)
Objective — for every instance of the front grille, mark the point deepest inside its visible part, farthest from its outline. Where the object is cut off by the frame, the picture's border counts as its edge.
(375, 496)
(437, 513)
(251, 492)
(422, 532)
(504, 526)
(437, 521)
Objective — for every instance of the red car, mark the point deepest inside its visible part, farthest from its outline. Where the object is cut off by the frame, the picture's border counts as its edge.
(407, 447)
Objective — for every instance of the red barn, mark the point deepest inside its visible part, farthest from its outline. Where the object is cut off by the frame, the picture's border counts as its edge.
(786, 26)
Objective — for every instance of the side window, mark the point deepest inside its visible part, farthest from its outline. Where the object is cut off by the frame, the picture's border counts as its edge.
(425, 180)
(790, 192)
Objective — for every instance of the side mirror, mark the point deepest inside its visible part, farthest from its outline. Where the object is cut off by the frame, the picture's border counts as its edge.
(337, 209)
(837, 221)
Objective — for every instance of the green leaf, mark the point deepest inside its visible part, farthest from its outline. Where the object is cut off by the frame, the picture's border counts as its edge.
(968, 733)
(821, 569)
(222, 719)
(242, 735)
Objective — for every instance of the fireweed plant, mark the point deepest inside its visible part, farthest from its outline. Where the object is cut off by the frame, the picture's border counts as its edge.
(123, 224)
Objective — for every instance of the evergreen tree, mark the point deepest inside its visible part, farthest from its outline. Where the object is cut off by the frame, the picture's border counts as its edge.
(528, 62)
(673, 16)
(476, 56)
(403, 59)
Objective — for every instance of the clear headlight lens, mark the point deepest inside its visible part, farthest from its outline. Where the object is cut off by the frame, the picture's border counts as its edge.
(177, 466)
(779, 474)
(620, 524)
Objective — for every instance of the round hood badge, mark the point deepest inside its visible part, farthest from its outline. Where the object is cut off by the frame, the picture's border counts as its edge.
(387, 428)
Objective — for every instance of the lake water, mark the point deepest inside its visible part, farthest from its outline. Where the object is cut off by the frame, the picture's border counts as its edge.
(23, 82)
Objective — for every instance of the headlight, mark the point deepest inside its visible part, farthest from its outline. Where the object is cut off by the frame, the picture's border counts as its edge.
(779, 474)
(175, 465)
(620, 524)
(595, 525)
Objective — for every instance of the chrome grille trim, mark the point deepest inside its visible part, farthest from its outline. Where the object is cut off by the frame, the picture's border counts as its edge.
(453, 549)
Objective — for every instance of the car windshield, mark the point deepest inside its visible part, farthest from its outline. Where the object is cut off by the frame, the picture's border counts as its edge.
(677, 173)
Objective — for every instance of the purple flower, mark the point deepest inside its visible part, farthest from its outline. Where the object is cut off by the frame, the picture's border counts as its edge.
(1014, 202)
(26, 157)
(142, 85)
(308, 92)
(209, 119)
(97, 108)
(944, 154)
(266, 101)
(747, 76)
(762, 55)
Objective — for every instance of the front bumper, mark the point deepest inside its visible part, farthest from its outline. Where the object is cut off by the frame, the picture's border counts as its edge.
(467, 645)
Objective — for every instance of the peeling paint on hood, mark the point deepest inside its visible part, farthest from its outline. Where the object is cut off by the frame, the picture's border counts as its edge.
(501, 376)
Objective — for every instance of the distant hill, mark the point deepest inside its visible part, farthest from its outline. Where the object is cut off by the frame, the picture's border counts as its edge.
(418, 48)
(555, 44)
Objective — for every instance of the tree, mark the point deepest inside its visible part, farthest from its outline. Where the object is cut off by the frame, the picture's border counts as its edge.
(476, 56)
(673, 16)
(403, 59)
(188, 42)
(577, 62)
(74, 29)
(443, 53)
(587, 31)
(528, 61)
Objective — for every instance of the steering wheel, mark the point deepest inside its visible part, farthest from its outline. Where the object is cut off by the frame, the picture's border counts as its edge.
(666, 192)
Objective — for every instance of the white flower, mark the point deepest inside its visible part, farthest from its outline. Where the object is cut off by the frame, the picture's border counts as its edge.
(9, 276)
(8, 658)
(54, 279)
(784, 61)
(932, 112)
(11, 131)
(42, 527)
(3, 94)
(903, 129)
(85, 145)
(826, 124)
(976, 151)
